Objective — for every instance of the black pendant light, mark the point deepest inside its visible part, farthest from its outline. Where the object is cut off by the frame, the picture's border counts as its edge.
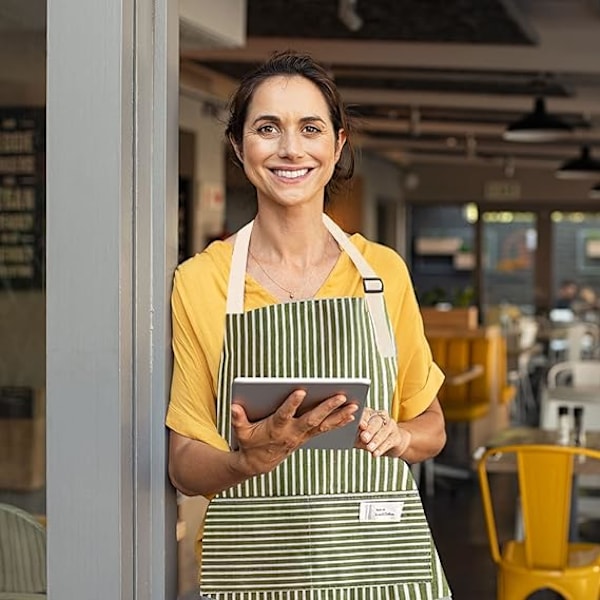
(537, 126)
(594, 192)
(582, 167)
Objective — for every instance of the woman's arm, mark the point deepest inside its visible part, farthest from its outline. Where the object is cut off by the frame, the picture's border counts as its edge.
(196, 468)
(415, 440)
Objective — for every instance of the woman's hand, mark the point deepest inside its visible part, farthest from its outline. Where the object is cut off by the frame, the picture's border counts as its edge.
(417, 439)
(380, 435)
(266, 443)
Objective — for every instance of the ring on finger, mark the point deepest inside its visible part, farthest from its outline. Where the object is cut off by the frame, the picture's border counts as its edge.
(382, 415)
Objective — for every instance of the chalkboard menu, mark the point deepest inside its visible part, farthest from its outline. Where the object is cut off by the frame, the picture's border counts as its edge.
(22, 198)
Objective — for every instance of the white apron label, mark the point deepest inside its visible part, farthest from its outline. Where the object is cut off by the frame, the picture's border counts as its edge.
(381, 511)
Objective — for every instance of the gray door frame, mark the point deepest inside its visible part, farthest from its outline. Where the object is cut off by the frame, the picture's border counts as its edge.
(112, 126)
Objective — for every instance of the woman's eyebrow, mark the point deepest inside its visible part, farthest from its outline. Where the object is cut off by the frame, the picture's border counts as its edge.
(312, 118)
(265, 118)
(276, 119)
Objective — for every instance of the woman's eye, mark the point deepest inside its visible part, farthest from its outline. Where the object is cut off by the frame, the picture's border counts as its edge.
(266, 129)
(311, 129)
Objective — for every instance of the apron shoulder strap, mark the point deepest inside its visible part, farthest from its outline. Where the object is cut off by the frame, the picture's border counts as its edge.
(373, 288)
(237, 275)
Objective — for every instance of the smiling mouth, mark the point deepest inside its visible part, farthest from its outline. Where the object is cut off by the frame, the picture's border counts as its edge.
(290, 174)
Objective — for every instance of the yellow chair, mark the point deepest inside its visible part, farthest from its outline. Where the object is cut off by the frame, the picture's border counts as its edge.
(476, 391)
(544, 559)
(468, 399)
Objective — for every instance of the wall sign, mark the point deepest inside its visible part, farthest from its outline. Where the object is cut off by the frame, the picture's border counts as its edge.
(22, 201)
(506, 189)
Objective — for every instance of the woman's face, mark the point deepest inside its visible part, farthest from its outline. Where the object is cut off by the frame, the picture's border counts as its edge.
(289, 147)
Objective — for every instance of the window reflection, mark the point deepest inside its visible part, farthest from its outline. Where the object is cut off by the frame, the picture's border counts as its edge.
(22, 257)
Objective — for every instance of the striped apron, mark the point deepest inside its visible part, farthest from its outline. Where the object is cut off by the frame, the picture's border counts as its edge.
(325, 524)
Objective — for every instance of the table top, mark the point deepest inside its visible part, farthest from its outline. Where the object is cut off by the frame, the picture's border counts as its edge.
(535, 435)
(579, 393)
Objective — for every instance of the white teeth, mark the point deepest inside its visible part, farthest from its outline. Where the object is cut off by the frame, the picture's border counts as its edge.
(290, 174)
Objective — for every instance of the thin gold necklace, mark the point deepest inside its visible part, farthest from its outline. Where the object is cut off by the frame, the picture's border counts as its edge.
(290, 293)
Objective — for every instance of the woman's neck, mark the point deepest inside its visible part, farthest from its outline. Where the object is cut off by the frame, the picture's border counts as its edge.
(297, 238)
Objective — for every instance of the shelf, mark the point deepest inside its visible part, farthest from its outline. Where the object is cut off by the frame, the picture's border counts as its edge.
(463, 261)
(428, 246)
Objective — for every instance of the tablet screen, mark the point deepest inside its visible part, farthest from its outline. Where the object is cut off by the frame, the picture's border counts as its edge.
(261, 396)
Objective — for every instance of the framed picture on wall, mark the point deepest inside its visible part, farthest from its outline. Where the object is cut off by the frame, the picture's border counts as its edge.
(588, 250)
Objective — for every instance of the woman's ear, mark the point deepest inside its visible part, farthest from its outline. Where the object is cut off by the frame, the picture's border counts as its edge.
(339, 144)
(238, 151)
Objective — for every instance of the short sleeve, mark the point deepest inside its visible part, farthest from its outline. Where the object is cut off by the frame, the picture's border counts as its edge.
(196, 342)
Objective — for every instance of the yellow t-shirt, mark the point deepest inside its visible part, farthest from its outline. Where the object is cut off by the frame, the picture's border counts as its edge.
(198, 311)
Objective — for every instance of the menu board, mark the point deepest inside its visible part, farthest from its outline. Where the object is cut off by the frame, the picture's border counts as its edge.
(22, 198)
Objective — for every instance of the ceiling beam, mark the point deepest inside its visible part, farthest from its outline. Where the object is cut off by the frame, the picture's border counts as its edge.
(567, 51)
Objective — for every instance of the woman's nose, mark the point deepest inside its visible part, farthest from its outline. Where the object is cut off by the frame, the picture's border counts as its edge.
(290, 145)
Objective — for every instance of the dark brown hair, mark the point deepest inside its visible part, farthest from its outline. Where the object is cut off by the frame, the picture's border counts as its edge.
(289, 64)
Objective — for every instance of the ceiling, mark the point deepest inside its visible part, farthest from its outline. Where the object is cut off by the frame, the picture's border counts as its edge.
(437, 82)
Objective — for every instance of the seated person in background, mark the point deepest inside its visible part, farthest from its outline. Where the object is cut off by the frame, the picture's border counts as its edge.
(587, 306)
(567, 293)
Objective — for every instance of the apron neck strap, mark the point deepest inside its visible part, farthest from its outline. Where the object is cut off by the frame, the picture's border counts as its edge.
(237, 275)
(372, 284)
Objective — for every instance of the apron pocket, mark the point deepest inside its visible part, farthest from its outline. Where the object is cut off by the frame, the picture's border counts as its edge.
(304, 542)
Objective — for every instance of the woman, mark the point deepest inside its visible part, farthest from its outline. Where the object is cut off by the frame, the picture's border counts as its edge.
(284, 521)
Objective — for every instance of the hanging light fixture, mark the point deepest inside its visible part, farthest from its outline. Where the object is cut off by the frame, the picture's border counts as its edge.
(348, 15)
(582, 167)
(537, 126)
(594, 192)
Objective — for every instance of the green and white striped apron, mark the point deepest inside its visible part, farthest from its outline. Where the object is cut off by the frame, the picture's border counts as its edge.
(325, 524)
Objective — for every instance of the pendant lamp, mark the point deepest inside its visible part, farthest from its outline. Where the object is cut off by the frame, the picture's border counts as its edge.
(537, 126)
(594, 193)
(582, 167)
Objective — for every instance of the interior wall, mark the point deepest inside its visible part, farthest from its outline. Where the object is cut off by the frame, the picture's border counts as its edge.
(22, 68)
(22, 332)
(382, 182)
(200, 117)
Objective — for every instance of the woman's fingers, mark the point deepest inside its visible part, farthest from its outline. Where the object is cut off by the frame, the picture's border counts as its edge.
(379, 433)
(289, 425)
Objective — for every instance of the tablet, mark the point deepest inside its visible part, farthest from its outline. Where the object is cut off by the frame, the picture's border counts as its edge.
(261, 396)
